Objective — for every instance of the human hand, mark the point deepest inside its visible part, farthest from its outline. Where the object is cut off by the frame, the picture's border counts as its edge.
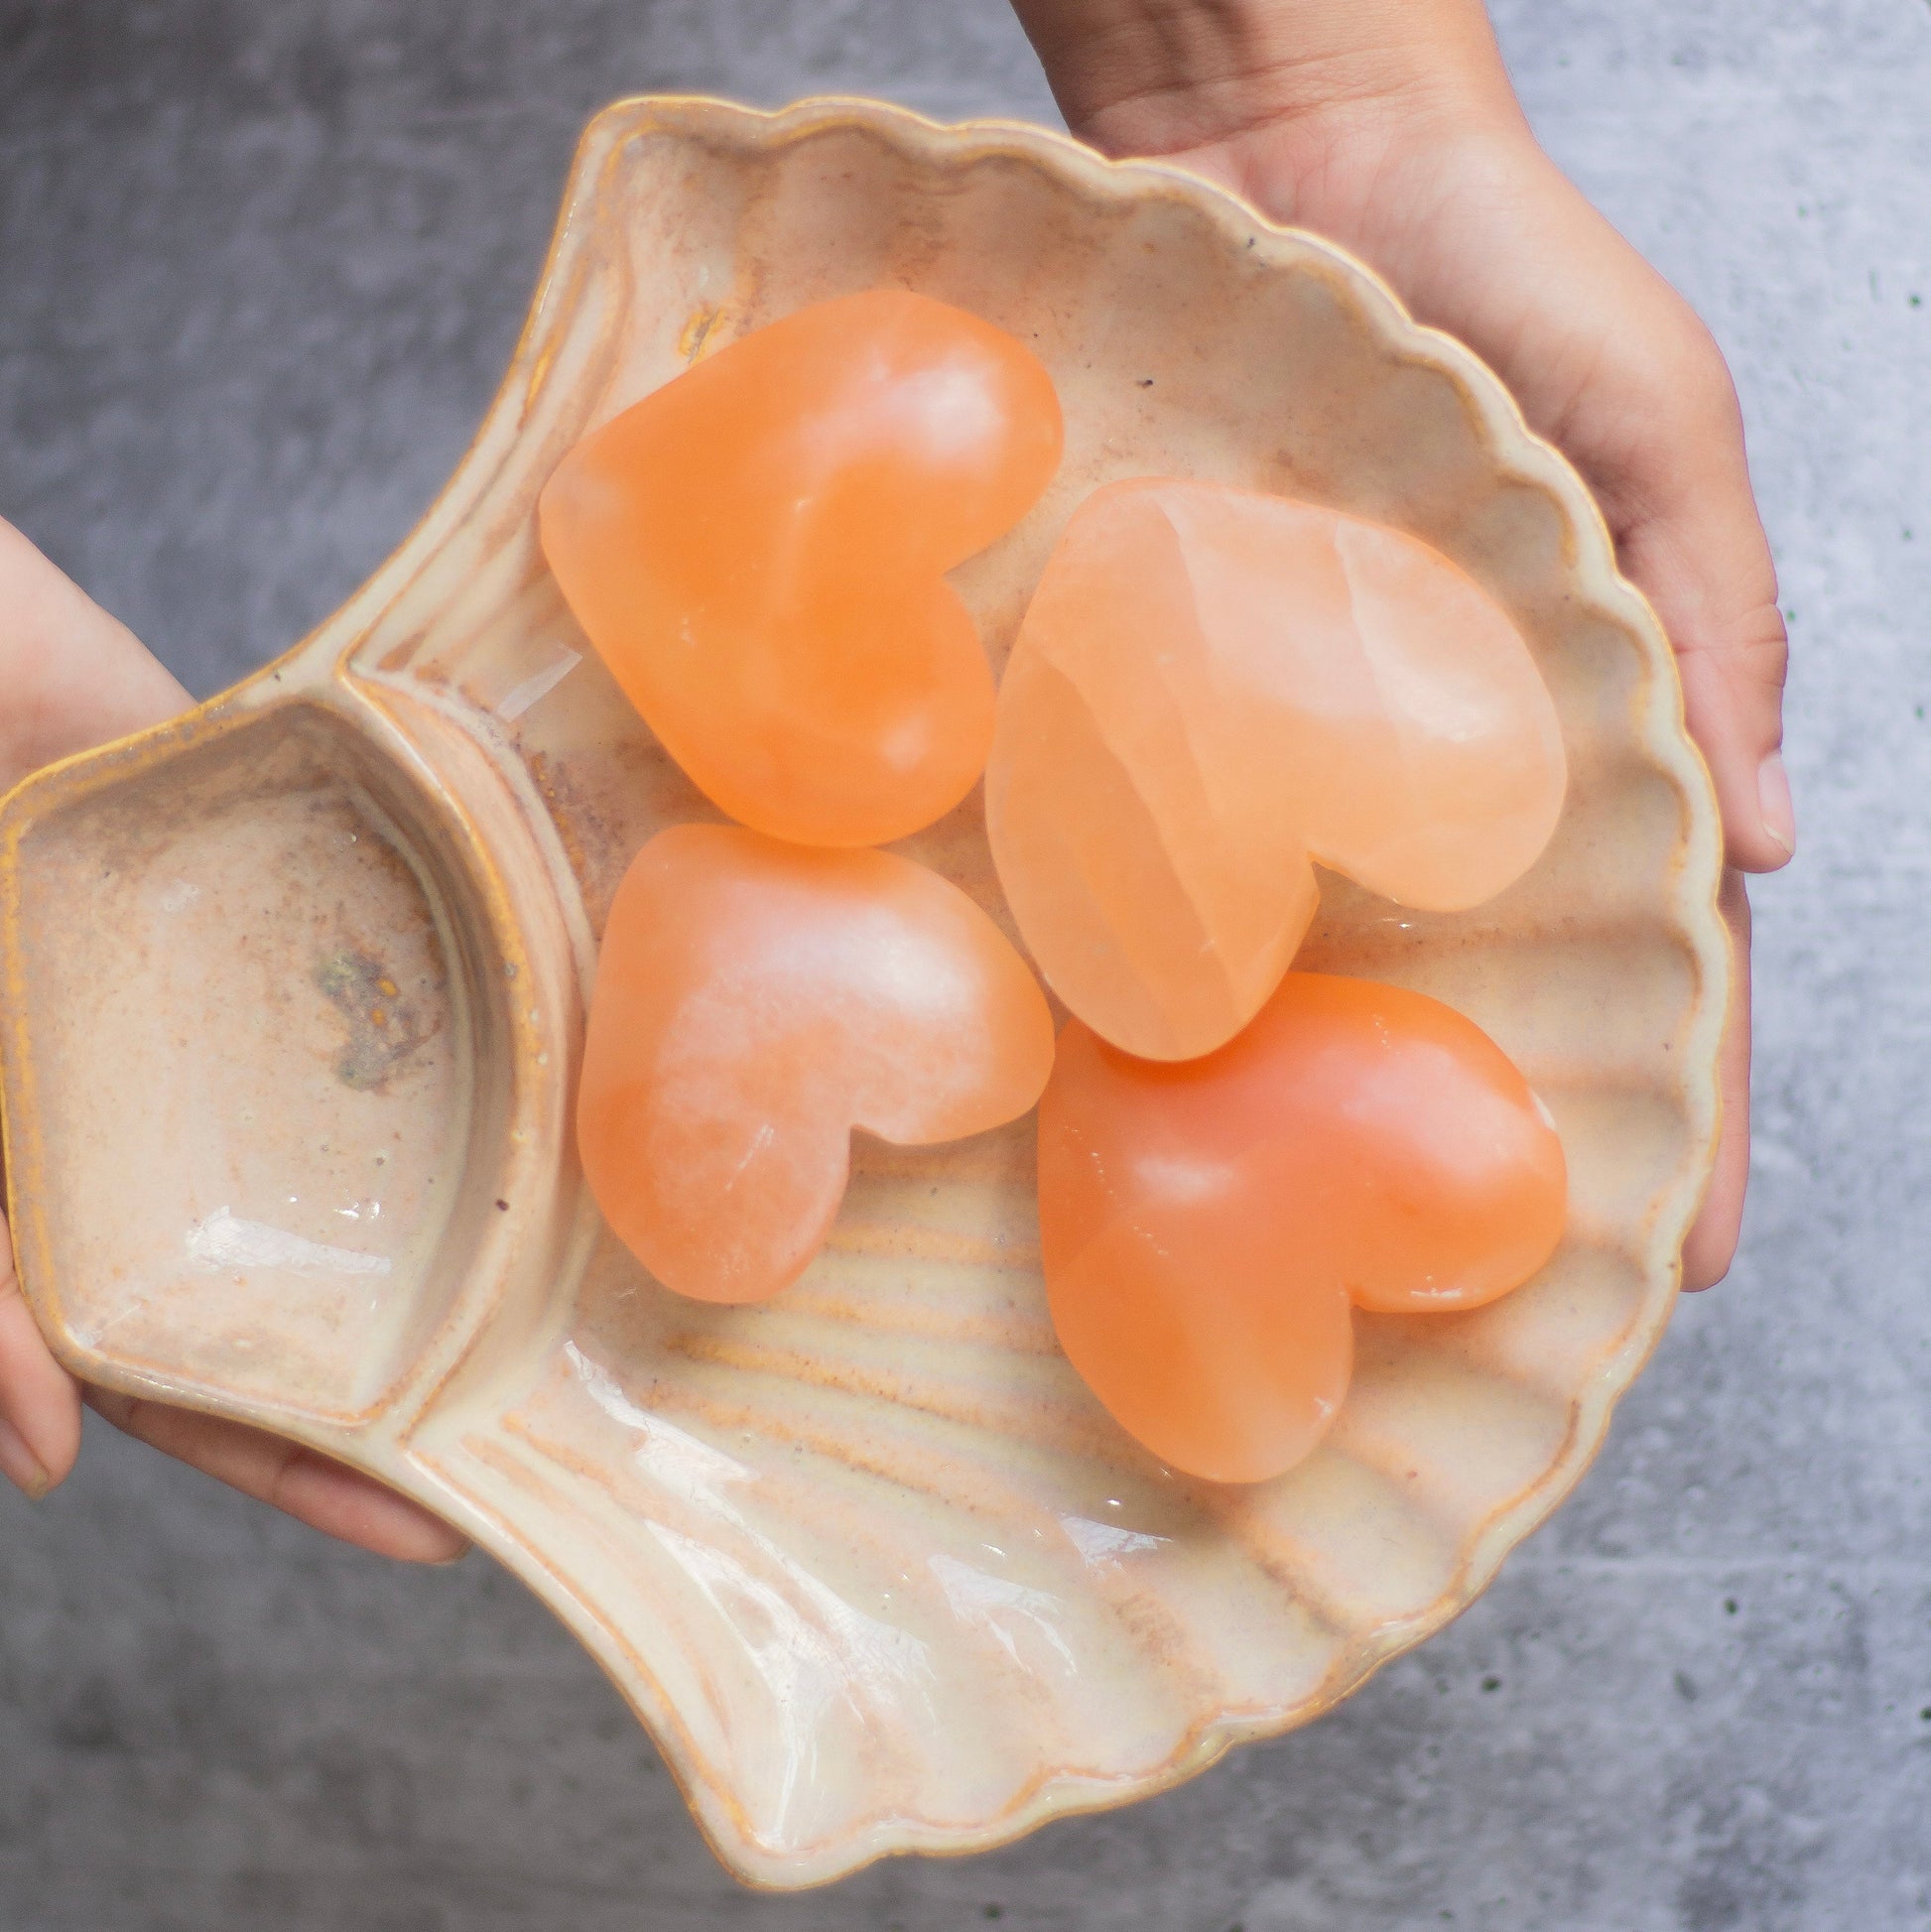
(72, 677)
(1390, 126)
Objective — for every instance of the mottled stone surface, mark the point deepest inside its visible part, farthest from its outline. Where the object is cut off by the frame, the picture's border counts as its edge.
(259, 269)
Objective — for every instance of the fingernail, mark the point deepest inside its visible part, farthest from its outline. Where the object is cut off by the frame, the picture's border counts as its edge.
(1773, 801)
(20, 1466)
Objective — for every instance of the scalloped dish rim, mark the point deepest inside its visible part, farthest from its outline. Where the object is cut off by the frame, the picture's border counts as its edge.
(1658, 726)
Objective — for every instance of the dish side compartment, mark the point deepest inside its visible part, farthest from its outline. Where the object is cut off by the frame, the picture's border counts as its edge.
(260, 1065)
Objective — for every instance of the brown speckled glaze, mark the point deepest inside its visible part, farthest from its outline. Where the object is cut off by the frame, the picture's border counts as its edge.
(293, 988)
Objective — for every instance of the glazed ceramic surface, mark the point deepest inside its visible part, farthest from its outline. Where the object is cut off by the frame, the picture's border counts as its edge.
(295, 987)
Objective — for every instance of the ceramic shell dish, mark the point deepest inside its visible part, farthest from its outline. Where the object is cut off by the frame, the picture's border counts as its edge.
(293, 987)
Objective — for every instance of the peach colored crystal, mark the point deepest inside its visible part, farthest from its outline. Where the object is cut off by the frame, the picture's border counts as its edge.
(1206, 1226)
(755, 1003)
(1213, 687)
(758, 552)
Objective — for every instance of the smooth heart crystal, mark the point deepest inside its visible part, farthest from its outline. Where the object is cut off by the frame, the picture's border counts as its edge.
(1206, 1224)
(756, 1001)
(1209, 689)
(758, 551)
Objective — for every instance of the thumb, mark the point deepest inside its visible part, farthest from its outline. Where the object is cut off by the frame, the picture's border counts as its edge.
(70, 676)
(1696, 547)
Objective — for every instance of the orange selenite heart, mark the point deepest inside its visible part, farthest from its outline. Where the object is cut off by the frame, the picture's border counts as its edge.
(1212, 688)
(755, 1003)
(1206, 1224)
(758, 551)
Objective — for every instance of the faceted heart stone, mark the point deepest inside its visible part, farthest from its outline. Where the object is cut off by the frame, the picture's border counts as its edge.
(755, 1001)
(1206, 1224)
(758, 551)
(1210, 690)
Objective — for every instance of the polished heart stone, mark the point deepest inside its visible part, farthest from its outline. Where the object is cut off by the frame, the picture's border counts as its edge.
(758, 551)
(755, 1001)
(1213, 689)
(1206, 1224)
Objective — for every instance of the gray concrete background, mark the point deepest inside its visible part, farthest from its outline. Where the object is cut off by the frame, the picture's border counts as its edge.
(260, 265)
